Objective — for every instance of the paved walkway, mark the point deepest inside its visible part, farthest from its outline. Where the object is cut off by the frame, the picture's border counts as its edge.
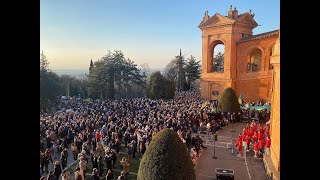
(245, 167)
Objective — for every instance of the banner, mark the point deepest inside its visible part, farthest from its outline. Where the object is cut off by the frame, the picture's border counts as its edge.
(259, 108)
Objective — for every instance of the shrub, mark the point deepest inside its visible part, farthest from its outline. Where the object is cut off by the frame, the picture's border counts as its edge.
(166, 158)
(229, 101)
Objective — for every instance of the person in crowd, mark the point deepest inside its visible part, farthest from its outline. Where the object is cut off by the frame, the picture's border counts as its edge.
(125, 164)
(95, 174)
(100, 165)
(46, 160)
(57, 169)
(55, 149)
(63, 160)
(114, 158)
(74, 151)
(122, 176)
(78, 175)
(109, 175)
(51, 176)
(42, 161)
(94, 161)
(108, 160)
(94, 143)
(83, 166)
(200, 141)
(65, 152)
(65, 175)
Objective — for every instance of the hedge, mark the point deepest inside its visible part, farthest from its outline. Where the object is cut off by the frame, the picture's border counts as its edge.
(229, 101)
(166, 158)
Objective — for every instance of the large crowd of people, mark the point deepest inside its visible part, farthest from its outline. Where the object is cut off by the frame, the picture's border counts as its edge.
(95, 130)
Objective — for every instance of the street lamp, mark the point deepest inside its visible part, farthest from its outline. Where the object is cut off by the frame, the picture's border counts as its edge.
(232, 133)
(215, 138)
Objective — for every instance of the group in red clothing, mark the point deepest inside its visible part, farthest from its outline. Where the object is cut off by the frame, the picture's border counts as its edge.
(257, 135)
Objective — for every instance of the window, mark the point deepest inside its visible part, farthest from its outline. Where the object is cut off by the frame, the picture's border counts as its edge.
(254, 61)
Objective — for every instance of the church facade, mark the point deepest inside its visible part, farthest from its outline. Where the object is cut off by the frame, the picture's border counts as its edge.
(251, 67)
(246, 68)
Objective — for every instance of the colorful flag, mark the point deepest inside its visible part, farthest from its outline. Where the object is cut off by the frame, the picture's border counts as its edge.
(240, 99)
(204, 105)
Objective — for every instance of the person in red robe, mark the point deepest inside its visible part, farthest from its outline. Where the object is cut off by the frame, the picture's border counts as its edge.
(261, 146)
(255, 127)
(244, 132)
(239, 147)
(255, 136)
(259, 134)
(247, 144)
(261, 127)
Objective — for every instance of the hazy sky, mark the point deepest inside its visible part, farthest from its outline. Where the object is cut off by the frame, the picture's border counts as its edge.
(147, 31)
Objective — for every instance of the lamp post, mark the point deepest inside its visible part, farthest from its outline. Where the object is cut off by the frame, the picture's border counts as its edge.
(215, 138)
(232, 135)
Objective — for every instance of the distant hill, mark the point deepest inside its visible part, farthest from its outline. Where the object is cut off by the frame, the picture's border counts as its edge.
(156, 69)
(71, 72)
(83, 72)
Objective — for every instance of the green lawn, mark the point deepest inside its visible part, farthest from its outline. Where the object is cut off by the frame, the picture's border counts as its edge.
(72, 168)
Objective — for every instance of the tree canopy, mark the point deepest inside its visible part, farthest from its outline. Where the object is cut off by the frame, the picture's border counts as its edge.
(50, 87)
(183, 72)
(113, 75)
(218, 64)
(160, 87)
(193, 70)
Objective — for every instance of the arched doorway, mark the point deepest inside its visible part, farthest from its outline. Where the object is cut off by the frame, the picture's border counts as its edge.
(254, 60)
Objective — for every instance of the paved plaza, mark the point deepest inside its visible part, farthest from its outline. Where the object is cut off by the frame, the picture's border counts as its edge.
(245, 167)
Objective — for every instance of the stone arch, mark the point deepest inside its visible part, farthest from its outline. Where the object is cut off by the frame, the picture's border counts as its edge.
(271, 46)
(251, 48)
(254, 59)
(211, 61)
(213, 41)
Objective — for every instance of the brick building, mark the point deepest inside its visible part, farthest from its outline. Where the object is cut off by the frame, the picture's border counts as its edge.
(247, 67)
